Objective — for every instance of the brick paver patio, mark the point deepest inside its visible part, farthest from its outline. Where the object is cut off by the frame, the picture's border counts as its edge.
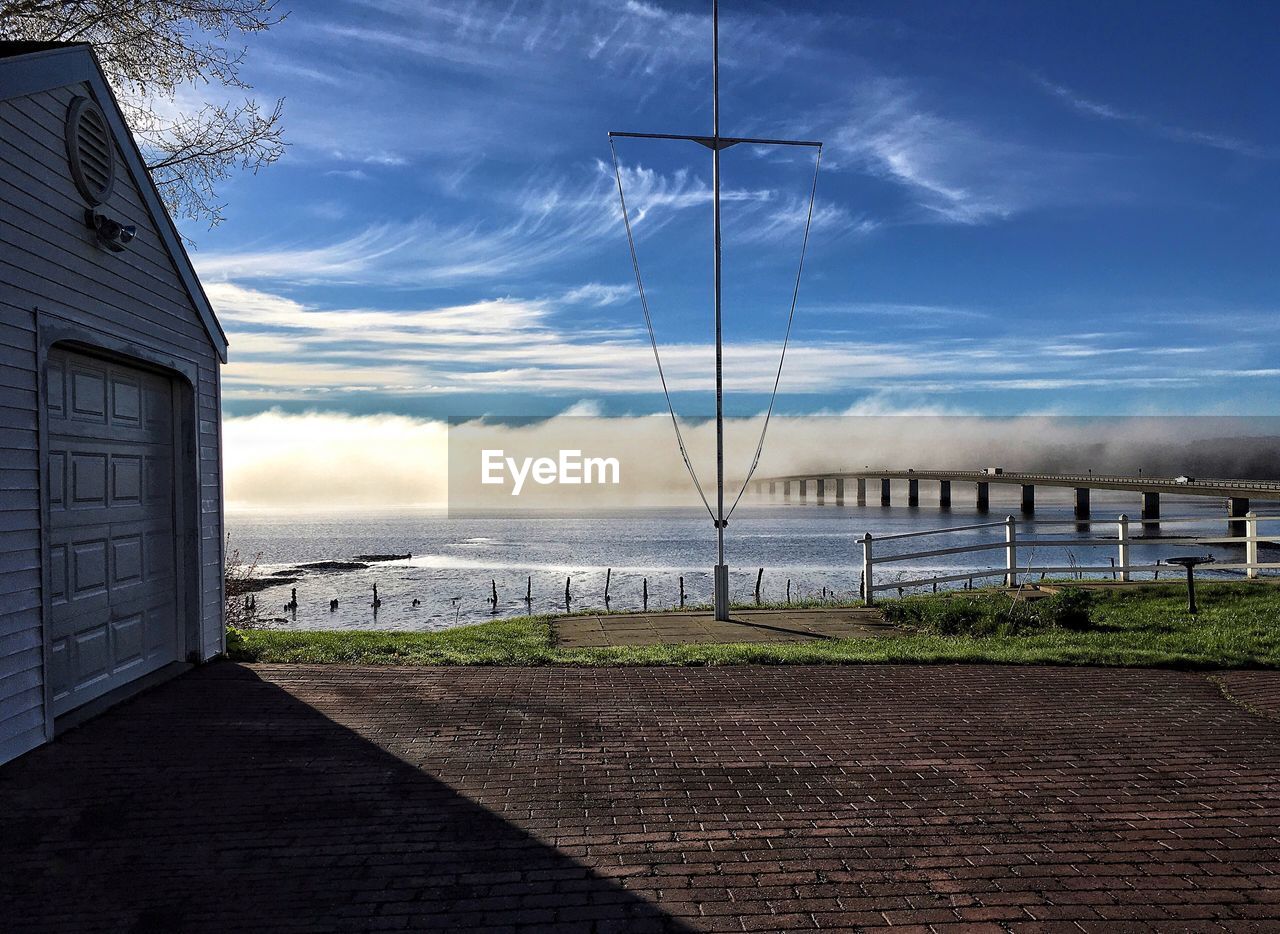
(928, 798)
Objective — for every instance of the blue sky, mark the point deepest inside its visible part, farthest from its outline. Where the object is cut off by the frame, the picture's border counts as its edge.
(1066, 208)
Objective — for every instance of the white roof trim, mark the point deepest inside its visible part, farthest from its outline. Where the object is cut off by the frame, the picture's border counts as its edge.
(23, 75)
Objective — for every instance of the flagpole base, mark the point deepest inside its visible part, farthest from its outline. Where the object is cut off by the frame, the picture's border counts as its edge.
(722, 592)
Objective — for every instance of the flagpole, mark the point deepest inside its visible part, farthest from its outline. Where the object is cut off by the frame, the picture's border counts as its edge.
(721, 592)
(715, 142)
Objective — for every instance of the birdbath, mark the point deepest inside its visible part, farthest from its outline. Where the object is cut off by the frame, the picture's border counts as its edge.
(1190, 562)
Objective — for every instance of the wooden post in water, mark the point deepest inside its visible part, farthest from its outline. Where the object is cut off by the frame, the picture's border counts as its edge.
(681, 591)
(759, 577)
(788, 591)
(528, 593)
(608, 575)
(566, 593)
(646, 593)
(494, 598)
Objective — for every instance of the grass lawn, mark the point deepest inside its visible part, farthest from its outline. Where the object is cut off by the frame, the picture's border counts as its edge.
(1238, 626)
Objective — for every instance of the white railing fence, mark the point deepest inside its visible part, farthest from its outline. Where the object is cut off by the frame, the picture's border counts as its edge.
(1014, 544)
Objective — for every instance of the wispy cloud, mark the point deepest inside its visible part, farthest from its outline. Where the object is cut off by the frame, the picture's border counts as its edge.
(379, 157)
(632, 38)
(898, 312)
(598, 294)
(513, 345)
(520, 234)
(953, 171)
(786, 222)
(1180, 134)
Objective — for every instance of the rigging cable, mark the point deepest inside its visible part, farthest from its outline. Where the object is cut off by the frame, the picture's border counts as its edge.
(653, 340)
(795, 295)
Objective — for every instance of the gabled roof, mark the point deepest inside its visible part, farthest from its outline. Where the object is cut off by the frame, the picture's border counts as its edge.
(31, 67)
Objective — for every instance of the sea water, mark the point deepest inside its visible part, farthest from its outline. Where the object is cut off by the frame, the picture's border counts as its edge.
(457, 560)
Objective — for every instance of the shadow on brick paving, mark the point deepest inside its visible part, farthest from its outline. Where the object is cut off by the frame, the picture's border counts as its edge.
(227, 804)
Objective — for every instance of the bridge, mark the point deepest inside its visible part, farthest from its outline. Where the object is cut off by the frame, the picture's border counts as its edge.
(1237, 493)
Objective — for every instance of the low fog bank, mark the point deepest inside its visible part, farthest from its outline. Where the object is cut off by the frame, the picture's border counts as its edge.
(321, 460)
(1242, 448)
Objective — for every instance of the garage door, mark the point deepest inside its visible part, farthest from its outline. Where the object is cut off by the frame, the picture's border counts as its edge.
(111, 527)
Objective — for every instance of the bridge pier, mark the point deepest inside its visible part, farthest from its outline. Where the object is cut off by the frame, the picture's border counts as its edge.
(886, 496)
(1151, 506)
(773, 489)
(984, 497)
(839, 491)
(786, 491)
(821, 483)
(862, 491)
(913, 493)
(944, 494)
(804, 491)
(1082, 502)
(1237, 507)
(1028, 498)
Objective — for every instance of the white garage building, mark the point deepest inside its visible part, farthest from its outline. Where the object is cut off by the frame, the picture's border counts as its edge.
(110, 473)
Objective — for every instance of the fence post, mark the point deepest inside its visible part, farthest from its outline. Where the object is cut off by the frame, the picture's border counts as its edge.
(1122, 545)
(1251, 544)
(1010, 552)
(868, 590)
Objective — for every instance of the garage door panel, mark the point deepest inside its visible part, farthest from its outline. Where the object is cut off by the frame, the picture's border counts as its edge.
(112, 543)
(157, 638)
(60, 669)
(157, 399)
(158, 553)
(88, 402)
(88, 568)
(126, 560)
(88, 480)
(57, 574)
(57, 479)
(126, 399)
(89, 649)
(73, 615)
(128, 641)
(126, 478)
(55, 392)
(157, 480)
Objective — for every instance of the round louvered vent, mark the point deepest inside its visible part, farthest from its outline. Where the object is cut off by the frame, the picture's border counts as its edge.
(90, 150)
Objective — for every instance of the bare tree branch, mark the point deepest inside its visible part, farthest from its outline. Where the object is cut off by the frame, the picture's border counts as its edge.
(151, 50)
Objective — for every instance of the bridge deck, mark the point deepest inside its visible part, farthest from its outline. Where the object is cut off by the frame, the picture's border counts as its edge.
(1254, 489)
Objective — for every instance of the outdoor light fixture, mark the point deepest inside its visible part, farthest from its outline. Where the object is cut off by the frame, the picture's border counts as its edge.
(112, 234)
